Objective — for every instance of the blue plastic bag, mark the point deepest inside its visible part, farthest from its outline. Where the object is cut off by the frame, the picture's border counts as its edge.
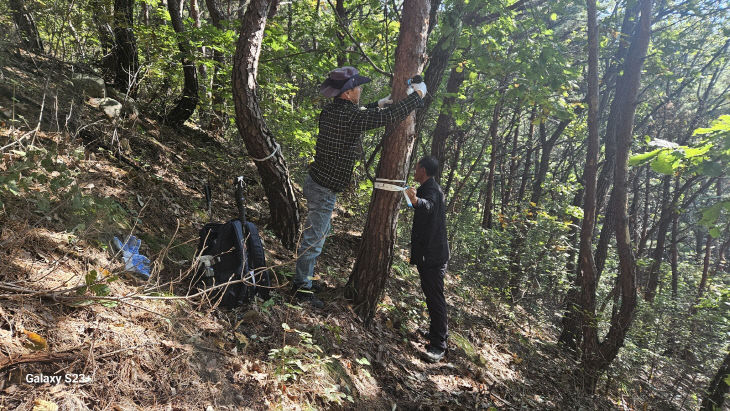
(134, 262)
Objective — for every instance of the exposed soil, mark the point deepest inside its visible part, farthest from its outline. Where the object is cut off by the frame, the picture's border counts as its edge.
(138, 176)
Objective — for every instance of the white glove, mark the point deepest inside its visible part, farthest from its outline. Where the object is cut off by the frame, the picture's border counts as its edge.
(419, 87)
(385, 100)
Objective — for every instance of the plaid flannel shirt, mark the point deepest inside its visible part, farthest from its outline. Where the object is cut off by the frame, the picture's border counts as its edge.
(341, 125)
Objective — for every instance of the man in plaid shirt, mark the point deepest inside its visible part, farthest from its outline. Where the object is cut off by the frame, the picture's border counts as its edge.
(341, 125)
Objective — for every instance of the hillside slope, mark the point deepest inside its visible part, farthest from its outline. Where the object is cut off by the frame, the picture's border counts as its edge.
(81, 178)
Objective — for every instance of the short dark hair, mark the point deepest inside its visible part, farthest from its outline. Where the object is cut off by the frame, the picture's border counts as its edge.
(430, 164)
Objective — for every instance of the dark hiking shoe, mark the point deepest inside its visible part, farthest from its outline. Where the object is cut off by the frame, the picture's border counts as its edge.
(304, 295)
(318, 286)
(434, 354)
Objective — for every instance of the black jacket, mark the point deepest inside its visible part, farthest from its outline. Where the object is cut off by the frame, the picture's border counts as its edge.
(429, 245)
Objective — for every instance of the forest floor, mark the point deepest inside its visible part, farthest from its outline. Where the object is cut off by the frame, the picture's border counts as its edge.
(83, 178)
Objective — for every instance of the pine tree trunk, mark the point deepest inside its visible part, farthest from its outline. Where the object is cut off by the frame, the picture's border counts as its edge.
(375, 256)
(27, 28)
(252, 127)
(188, 101)
(125, 50)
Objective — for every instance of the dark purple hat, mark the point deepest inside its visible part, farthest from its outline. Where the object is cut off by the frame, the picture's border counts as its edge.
(340, 80)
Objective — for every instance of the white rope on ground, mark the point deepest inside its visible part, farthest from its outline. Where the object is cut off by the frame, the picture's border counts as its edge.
(277, 148)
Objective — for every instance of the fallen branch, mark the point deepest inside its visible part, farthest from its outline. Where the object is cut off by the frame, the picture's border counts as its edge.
(7, 362)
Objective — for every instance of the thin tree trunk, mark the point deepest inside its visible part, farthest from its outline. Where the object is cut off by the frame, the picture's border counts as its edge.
(219, 118)
(445, 123)
(513, 164)
(27, 29)
(126, 57)
(188, 101)
(547, 148)
(202, 70)
(597, 356)
(665, 219)
(460, 141)
(375, 256)
(645, 220)
(342, 18)
(570, 336)
(488, 197)
(528, 156)
(675, 254)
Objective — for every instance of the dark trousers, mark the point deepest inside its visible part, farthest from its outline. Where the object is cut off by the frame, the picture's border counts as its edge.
(432, 283)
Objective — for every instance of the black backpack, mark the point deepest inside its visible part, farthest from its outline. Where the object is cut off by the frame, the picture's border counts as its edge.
(232, 251)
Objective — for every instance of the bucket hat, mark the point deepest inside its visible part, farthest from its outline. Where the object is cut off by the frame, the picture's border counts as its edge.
(340, 80)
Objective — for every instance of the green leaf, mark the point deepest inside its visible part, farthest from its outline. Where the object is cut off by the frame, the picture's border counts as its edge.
(710, 215)
(641, 158)
(665, 162)
(91, 277)
(363, 361)
(715, 232)
(101, 290)
(694, 152)
(553, 16)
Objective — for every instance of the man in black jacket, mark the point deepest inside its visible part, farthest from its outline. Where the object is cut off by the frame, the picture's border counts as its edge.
(430, 251)
(341, 126)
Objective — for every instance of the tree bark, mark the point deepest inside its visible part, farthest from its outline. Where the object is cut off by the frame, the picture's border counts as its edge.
(375, 256)
(202, 70)
(547, 149)
(597, 356)
(665, 219)
(126, 57)
(219, 118)
(445, 123)
(570, 336)
(188, 101)
(513, 164)
(718, 387)
(252, 127)
(528, 156)
(584, 289)
(27, 29)
(342, 18)
(675, 255)
(493, 136)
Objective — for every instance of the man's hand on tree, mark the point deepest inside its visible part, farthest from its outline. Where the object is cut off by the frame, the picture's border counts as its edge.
(385, 100)
(411, 193)
(419, 88)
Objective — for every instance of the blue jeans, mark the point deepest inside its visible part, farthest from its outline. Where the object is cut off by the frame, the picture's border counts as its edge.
(320, 202)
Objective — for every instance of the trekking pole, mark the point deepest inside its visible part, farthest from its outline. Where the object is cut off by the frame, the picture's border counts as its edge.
(208, 197)
(239, 204)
